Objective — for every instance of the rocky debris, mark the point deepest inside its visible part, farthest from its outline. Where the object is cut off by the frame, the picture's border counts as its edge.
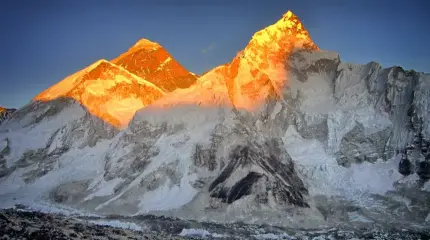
(70, 192)
(16, 224)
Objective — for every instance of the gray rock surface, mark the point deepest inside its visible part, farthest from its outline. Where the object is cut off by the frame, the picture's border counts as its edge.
(364, 112)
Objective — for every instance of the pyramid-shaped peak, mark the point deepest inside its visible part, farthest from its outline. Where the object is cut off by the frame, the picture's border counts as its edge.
(288, 30)
(289, 14)
(291, 21)
(146, 44)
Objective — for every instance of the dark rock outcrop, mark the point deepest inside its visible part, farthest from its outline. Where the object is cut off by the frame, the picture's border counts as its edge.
(5, 113)
(256, 169)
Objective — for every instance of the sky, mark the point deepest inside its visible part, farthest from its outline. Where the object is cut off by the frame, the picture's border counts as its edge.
(41, 42)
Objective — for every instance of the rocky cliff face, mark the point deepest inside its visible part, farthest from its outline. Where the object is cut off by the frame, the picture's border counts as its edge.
(368, 112)
(5, 113)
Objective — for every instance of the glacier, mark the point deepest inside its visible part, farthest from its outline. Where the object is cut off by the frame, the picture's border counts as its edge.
(343, 139)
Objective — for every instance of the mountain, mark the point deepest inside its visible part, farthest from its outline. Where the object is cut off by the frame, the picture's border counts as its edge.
(115, 90)
(5, 113)
(284, 134)
(258, 71)
(150, 61)
(255, 74)
(108, 91)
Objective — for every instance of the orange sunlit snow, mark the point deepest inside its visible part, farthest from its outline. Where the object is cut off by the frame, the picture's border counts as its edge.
(259, 71)
(153, 63)
(115, 90)
(256, 73)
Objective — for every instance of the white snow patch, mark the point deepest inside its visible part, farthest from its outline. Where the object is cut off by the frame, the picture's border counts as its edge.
(276, 111)
(3, 144)
(340, 122)
(161, 67)
(104, 188)
(167, 198)
(42, 206)
(37, 137)
(410, 180)
(377, 178)
(118, 224)
(196, 125)
(272, 236)
(193, 232)
(426, 187)
(75, 165)
(356, 217)
(325, 177)
(315, 94)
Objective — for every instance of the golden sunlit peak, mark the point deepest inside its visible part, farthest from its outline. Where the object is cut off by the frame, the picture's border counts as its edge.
(288, 15)
(259, 71)
(147, 44)
(287, 31)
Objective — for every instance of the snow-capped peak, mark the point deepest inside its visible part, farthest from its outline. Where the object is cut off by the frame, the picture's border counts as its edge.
(108, 91)
(260, 71)
(146, 44)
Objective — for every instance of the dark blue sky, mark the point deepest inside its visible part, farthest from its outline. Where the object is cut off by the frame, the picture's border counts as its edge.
(43, 41)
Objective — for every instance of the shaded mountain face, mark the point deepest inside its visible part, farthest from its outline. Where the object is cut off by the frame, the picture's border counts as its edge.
(5, 113)
(364, 113)
(108, 91)
(150, 61)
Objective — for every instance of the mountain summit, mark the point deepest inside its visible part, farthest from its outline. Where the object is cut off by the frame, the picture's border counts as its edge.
(115, 90)
(257, 72)
(108, 91)
(150, 61)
